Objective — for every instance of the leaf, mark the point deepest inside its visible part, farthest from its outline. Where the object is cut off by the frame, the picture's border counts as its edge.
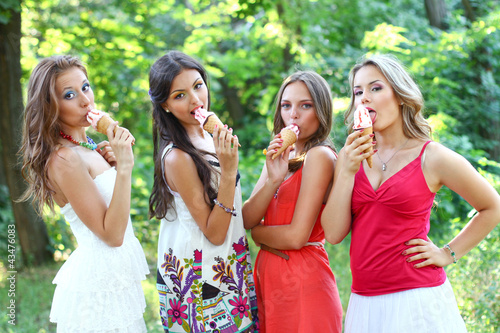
(237, 320)
(185, 326)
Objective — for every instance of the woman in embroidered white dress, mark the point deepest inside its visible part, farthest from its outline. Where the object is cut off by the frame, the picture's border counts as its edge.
(99, 286)
(204, 275)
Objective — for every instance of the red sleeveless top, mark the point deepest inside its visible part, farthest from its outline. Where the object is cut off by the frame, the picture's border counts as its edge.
(382, 221)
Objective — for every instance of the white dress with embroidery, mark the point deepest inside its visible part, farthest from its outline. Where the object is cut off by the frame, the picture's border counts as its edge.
(99, 286)
(204, 287)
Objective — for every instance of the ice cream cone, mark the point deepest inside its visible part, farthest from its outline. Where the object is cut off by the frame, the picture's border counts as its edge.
(100, 121)
(103, 124)
(363, 123)
(289, 138)
(369, 159)
(210, 123)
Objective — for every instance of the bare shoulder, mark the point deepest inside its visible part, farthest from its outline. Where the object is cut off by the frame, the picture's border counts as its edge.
(179, 171)
(438, 156)
(319, 158)
(178, 159)
(64, 160)
(321, 153)
(443, 166)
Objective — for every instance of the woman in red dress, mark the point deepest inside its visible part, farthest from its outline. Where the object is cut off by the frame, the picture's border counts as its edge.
(296, 289)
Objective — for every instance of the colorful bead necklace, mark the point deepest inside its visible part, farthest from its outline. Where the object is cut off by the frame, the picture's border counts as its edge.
(89, 145)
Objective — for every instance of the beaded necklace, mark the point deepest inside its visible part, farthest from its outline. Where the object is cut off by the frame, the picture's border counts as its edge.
(89, 145)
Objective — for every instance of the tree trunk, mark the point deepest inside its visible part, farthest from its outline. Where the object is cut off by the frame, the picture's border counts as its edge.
(469, 11)
(436, 13)
(30, 228)
(233, 102)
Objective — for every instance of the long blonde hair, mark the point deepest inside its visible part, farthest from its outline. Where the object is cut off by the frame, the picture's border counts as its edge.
(406, 90)
(41, 127)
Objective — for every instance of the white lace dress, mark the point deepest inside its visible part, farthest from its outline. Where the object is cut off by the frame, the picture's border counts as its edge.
(99, 287)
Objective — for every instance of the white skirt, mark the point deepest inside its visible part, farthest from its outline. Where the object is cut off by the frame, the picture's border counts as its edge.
(422, 310)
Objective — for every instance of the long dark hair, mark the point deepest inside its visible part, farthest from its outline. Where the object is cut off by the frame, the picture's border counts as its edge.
(41, 127)
(322, 99)
(167, 129)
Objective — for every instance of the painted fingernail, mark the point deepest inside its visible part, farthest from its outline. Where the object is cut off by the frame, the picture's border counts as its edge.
(404, 253)
(376, 150)
(372, 135)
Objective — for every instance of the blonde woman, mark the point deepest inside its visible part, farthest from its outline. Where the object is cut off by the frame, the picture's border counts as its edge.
(399, 284)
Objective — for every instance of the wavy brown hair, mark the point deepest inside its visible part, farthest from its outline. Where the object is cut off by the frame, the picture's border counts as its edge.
(405, 89)
(322, 99)
(41, 127)
(167, 129)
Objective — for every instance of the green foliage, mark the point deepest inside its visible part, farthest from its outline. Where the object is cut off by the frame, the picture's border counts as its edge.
(476, 277)
(249, 47)
(6, 8)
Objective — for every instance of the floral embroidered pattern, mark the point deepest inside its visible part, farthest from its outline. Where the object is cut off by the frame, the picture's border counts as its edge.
(240, 306)
(190, 303)
(176, 312)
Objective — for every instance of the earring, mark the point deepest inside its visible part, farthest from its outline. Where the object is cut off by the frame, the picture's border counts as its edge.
(402, 103)
(166, 110)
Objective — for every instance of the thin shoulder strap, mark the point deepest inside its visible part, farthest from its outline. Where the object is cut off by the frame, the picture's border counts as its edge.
(167, 149)
(422, 152)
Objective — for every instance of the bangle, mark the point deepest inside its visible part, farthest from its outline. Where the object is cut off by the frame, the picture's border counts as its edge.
(227, 210)
(447, 246)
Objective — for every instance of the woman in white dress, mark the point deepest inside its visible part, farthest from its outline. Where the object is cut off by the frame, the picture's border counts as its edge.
(99, 286)
(204, 274)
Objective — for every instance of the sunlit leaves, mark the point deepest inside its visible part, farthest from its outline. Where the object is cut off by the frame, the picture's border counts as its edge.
(387, 38)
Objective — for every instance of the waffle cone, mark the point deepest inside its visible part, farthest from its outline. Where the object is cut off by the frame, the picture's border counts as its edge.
(289, 137)
(369, 159)
(210, 123)
(103, 124)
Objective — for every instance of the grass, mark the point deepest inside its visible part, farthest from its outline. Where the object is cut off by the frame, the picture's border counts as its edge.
(34, 290)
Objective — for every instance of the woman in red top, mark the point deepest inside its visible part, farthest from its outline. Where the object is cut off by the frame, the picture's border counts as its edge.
(399, 284)
(296, 289)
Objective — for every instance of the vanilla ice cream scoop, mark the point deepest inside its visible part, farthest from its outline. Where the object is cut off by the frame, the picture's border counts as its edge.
(363, 122)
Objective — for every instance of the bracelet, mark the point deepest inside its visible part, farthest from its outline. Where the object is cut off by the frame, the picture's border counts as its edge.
(227, 210)
(447, 246)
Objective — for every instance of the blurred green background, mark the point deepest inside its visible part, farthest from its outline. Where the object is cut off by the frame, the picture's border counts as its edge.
(452, 47)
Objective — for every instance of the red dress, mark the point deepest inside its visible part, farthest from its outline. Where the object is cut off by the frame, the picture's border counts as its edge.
(299, 294)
